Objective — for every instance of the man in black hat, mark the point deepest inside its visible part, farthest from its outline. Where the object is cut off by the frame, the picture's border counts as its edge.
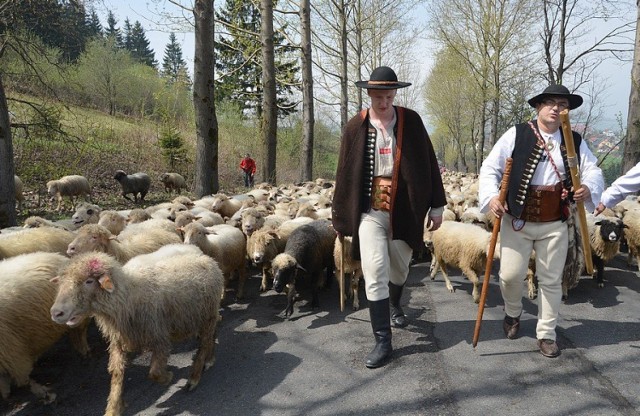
(533, 216)
(387, 183)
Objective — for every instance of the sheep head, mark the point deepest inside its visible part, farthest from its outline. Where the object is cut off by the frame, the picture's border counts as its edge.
(91, 237)
(284, 269)
(611, 230)
(84, 279)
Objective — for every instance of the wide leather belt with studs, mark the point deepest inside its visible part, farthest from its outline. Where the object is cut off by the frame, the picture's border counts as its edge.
(543, 203)
(381, 193)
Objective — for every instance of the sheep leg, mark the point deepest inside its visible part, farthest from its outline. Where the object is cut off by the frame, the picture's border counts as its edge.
(532, 292)
(355, 284)
(265, 279)
(117, 365)
(315, 299)
(5, 386)
(439, 263)
(242, 278)
(598, 264)
(78, 338)
(158, 371)
(473, 277)
(291, 298)
(207, 343)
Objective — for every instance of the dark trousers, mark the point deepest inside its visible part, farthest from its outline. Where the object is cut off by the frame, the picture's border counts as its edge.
(248, 179)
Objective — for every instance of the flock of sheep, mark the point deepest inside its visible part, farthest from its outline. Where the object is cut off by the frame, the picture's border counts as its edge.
(151, 276)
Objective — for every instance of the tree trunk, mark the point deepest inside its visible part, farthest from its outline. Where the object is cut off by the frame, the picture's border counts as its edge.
(631, 155)
(344, 92)
(206, 170)
(7, 186)
(270, 109)
(308, 120)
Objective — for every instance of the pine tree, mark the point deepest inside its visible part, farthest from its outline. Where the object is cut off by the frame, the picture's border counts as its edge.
(138, 44)
(174, 68)
(127, 35)
(94, 28)
(238, 61)
(112, 31)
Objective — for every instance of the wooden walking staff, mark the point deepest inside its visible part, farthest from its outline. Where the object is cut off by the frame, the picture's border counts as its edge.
(572, 161)
(502, 196)
(341, 273)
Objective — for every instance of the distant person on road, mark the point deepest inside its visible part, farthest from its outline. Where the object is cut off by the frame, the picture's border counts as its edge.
(619, 189)
(387, 182)
(248, 167)
(534, 213)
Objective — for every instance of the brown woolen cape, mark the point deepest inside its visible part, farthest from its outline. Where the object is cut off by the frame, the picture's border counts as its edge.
(416, 182)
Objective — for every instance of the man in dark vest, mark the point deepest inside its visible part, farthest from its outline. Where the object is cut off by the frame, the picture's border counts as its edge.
(387, 183)
(533, 217)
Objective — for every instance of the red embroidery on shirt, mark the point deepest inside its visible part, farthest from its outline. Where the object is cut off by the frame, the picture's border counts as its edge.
(385, 151)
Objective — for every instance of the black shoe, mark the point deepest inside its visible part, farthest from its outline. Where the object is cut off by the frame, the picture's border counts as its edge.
(511, 326)
(381, 353)
(548, 348)
(398, 318)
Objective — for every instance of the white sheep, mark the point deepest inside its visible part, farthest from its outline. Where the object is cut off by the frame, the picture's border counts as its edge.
(135, 184)
(31, 240)
(262, 247)
(26, 328)
(206, 218)
(113, 221)
(632, 234)
(85, 214)
(224, 205)
(70, 186)
(350, 267)
(226, 245)
(142, 227)
(173, 181)
(463, 246)
(137, 215)
(605, 234)
(94, 237)
(17, 182)
(157, 299)
(35, 221)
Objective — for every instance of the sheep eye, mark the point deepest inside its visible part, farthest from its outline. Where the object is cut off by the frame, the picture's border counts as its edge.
(89, 281)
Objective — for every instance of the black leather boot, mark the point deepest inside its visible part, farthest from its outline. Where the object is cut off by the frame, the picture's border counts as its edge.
(398, 318)
(379, 314)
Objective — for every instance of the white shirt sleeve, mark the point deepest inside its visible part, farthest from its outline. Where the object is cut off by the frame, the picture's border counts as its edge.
(590, 176)
(621, 187)
(492, 168)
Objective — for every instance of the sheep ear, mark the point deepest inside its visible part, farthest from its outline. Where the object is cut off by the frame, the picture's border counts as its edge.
(598, 222)
(106, 283)
(301, 268)
(113, 237)
(55, 280)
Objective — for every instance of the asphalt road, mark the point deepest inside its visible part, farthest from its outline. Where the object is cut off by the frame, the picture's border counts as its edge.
(313, 364)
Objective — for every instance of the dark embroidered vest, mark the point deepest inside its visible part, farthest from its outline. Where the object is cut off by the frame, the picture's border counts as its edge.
(369, 161)
(526, 156)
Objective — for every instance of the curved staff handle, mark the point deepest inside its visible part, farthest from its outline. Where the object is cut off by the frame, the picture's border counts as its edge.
(572, 161)
(502, 196)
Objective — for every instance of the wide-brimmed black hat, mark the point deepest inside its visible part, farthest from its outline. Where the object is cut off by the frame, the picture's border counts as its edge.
(382, 78)
(557, 90)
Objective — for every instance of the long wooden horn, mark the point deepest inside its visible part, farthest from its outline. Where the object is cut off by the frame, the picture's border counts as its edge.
(572, 161)
(502, 196)
(341, 273)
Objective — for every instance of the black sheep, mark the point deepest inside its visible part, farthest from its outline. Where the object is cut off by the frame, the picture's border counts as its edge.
(309, 251)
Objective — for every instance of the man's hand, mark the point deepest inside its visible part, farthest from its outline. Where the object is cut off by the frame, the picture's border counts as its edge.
(599, 209)
(496, 208)
(582, 194)
(433, 223)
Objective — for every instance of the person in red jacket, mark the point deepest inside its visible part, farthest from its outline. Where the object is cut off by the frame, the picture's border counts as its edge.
(248, 167)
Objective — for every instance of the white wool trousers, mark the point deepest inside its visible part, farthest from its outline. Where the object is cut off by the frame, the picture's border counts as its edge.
(550, 241)
(383, 259)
